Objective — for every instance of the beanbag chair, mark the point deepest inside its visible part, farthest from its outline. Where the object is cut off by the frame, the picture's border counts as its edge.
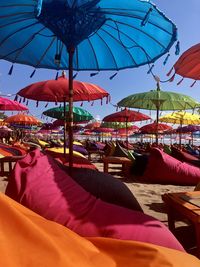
(39, 184)
(28, 239)
(78, 162)
(165, 169)
(185, 156)
(104, 186)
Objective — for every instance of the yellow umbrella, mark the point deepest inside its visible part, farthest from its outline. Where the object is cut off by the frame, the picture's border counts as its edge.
(181, 117)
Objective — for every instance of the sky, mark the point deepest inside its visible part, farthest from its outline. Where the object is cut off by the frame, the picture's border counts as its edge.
(185, 14)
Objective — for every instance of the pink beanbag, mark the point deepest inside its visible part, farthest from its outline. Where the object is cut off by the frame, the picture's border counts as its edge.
(39, 184)
(165, 169)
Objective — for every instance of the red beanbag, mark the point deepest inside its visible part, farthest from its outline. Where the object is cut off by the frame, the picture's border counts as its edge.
(165, 169)
(39, 184)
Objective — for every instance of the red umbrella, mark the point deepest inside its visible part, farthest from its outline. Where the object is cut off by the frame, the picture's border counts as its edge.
(8, 104)
(131, 130)
(126, 115)
(188, 65)
(155, 127)
(92, 125)
(58, 91)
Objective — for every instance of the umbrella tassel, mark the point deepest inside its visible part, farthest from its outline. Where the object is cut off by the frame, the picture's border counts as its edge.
(146, 18)
(20, 100)
(24, 100)
(37, 103)
(32, 74)
(92, 103)
(94, 73)
(46, 105)
(177, 48)
(150, 69)
(111, 77)
(27, 102)
(180, 81)
(57, 73)
(101, 101)
(81, 104)
(169, 73)
(172, 78)
(74, 76)
(193, 84)
(166, 59)
(11, 70)
(16, 97)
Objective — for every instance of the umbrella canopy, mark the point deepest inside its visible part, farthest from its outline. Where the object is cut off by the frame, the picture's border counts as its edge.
(8, 104)
(126, 115)
(125, 33)
(22, 119)
(79, 114)
(127, 131)
(83, 35)
(159, 100)
(188, 129)
(155, 128)
(92, 125)
(181, 117)
(58, 91)
(188, 65)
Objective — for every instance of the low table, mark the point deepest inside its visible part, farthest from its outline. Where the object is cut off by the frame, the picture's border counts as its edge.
(125, 162)
(186, 205)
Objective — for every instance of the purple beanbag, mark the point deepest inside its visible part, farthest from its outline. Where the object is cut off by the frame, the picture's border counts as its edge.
(165, 169)
(39, 184)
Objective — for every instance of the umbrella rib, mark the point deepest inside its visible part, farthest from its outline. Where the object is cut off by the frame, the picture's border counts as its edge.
(45, 52)
(119, 43)
(18, 30)
(131, 26)
(108, 49)
(125, 14)
(24, 45)
(94, 53)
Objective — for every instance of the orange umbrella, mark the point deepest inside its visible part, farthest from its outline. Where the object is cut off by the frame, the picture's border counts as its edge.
(23, 119)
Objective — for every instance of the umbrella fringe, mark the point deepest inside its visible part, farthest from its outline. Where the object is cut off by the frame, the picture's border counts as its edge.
(169, 73)
(11, 70)
(16, 97)
(150, 69)
(32, 74)
(37, 103)
(46, 105)
(27, 102)
(193, 83)
(166, 59)
(111, 77)
(172, 78)
(180, 81)
(177, 52)
(94, 74)
(74, 76)
(57, 73)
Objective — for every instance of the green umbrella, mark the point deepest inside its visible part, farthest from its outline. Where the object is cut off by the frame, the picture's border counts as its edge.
(159, 100)
(79, 114)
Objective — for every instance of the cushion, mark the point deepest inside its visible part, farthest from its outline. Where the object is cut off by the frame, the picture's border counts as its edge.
(39, 184)
(165, 169)
(104, 186)
(120, 151)
(78, 162)
(28, 239)
(185, 156)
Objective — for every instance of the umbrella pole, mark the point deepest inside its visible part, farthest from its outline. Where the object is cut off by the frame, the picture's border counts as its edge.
(157, 119)
(127, 132)
(70, 134)
(65, 127)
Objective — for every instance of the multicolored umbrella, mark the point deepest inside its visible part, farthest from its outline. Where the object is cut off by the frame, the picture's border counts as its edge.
(126, 115)
(181, 118)
(159, 100)
(188, 65)
(83, 35)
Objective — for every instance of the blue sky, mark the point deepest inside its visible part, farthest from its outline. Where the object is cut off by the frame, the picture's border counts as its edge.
(184, 13)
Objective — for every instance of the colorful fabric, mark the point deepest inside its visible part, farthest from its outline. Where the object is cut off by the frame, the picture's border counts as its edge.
(27, 239)
(39, 184)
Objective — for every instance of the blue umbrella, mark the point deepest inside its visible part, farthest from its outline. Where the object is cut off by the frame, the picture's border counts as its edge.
(83, 35)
